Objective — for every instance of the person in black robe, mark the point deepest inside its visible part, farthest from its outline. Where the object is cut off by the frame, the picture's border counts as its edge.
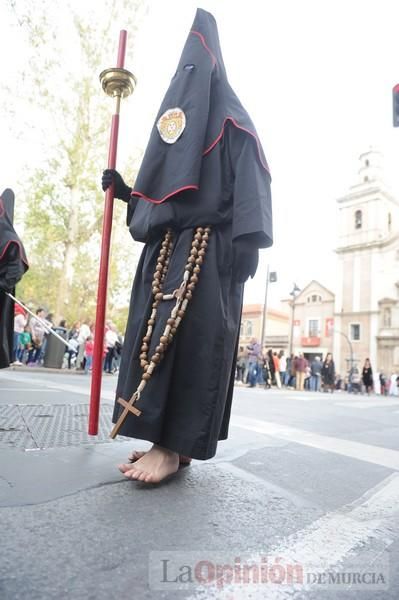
(367, 376)
(203, 167)
(13, 264)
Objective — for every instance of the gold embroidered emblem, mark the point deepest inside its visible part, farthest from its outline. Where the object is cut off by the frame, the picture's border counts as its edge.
(171, 125)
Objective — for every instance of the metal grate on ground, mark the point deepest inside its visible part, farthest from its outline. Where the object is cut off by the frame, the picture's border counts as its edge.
(43, 426)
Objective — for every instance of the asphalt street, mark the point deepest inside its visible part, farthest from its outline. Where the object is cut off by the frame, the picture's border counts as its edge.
(302, 501)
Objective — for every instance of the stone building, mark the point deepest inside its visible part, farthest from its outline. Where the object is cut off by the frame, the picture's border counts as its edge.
(276, 326)
(312, 321)
(367, 293)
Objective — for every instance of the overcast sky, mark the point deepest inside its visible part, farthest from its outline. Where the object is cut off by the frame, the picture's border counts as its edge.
(316, 78)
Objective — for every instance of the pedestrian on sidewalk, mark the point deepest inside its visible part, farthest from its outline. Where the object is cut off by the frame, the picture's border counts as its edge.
(89, 349)
(20, 322)
(111, 338)
(37, 331)
(84, 333)
(367, 376)
(267, 376)
(384, 383)
(241, 364)
(254, 351)
(25, 344)
(291, 374)
(276, 363)
(315, 380)
(283, 368)
(271, 365)
(328, 374)
(300, 364)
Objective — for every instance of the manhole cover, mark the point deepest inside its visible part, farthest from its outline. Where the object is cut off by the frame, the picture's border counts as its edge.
(30, 427)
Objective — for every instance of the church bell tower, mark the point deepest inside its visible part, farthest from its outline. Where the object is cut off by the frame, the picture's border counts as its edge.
(368, 271)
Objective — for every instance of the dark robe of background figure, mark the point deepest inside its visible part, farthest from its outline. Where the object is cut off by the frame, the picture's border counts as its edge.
(13, 264)
(215, 174)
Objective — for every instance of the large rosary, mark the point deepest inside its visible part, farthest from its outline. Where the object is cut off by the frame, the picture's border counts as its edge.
(182, 295)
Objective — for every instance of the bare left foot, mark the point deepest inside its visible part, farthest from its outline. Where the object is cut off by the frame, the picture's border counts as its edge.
(153, 467)
(135, 455)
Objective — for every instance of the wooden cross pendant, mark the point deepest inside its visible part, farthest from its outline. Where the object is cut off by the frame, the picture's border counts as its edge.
(128, 408)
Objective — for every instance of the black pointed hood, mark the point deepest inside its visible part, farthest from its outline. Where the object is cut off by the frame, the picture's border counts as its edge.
(200, 95)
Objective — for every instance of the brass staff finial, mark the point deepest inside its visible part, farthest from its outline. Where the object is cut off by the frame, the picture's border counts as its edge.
(118, 82)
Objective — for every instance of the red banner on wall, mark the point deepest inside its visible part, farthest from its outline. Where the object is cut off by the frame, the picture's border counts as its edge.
(329, 327)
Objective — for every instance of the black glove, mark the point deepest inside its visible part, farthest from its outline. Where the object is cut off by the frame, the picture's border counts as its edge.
(245, 258)
(10, 277)
(122, 191)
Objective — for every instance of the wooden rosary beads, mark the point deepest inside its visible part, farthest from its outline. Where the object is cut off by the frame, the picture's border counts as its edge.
(182, 295)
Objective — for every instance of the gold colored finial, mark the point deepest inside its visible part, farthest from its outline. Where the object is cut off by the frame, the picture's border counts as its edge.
(118, 83)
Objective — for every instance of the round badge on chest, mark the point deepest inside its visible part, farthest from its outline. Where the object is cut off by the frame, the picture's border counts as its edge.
(171, 125)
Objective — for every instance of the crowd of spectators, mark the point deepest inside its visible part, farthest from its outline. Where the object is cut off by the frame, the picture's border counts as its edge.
(31, 335)
(255, 366)
(258, 366)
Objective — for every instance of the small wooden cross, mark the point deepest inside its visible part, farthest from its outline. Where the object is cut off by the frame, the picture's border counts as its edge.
(129, 408)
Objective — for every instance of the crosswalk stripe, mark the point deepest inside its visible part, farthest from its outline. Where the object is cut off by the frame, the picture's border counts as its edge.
(325, 544)
(377, 455)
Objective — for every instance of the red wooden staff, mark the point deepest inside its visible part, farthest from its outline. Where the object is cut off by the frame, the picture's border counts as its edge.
(117, 83)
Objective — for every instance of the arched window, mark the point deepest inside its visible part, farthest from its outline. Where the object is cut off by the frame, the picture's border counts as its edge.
(367, 162)
(314, 298)
(389, 221)
(358, 219)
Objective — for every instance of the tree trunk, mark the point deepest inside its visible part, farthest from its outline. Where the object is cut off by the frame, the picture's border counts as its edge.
(69, 256)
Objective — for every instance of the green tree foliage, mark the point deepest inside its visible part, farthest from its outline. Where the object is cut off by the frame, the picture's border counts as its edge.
(68, 45)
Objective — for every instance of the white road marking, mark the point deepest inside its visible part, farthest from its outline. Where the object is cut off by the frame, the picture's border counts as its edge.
(369, 403)
(64, 387)
(325, 544)
(304, 397)
(15, 389)
(372, 454)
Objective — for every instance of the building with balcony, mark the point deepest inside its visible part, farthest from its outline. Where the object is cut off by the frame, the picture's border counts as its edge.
(312, 321)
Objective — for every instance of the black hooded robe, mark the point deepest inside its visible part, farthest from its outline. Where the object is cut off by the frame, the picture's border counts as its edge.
(13, 265)
(215, 174)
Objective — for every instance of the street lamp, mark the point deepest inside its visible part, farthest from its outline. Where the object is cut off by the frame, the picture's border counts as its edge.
(294, 292)
(272, 277)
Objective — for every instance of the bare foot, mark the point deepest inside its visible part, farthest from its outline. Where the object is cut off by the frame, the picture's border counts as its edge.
(153, 466)
(137, 454)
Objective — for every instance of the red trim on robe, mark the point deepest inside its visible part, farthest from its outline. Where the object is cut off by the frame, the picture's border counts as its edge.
(214, 143)
(186, 187)
(219, 137)
(207, 151)
(20, 251)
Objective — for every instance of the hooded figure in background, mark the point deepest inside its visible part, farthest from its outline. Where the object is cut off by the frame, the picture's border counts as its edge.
(201, 198)
(13, 264)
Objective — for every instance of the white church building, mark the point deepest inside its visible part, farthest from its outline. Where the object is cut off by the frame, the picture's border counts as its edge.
(366, 319)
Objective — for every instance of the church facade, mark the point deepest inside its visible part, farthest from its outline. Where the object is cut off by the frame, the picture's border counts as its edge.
(366, 319)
